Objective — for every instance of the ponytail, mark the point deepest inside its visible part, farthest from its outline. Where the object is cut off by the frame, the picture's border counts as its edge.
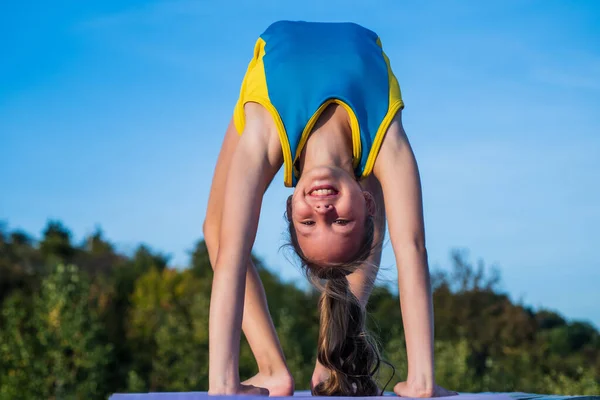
(344, 347)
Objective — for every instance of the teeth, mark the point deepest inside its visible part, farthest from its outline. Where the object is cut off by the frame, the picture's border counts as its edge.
(322, 192)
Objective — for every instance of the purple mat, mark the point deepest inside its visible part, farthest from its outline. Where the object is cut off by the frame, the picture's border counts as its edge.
(205, 396)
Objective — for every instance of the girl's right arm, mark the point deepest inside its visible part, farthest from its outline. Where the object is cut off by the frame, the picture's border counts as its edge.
(397, 170)
(255, 162)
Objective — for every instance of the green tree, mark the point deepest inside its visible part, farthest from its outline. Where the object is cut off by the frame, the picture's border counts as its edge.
(131, 323)
(56, 246)
(19, 262)
(59, 349)
(20, 369)
(169, 326)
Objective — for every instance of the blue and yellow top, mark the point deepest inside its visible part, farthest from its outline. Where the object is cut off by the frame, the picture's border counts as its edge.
(299, 68)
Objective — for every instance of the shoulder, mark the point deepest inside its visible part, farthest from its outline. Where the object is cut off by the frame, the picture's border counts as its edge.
(395, 145)
(260, 135)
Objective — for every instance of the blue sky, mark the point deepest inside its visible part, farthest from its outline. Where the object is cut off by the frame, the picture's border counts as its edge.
(112, 113)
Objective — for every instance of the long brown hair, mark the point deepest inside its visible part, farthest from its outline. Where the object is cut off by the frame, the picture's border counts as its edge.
(345, 347)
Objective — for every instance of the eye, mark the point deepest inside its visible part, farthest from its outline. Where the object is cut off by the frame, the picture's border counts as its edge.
(308, 223)
(341, 222)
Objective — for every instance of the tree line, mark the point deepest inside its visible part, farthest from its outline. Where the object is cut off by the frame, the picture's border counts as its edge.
(83, 321)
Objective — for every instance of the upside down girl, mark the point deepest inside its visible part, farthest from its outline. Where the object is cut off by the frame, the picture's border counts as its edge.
(319, 100)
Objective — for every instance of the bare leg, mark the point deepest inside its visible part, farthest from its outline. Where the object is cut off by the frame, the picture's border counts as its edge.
(257, 324)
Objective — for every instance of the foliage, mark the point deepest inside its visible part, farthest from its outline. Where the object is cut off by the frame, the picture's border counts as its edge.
(53, 345)
(118, 323)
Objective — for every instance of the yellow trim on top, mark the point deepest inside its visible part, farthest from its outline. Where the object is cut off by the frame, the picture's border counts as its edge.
(254, 89)
(239, 117)
(395, 104)
(354, 127)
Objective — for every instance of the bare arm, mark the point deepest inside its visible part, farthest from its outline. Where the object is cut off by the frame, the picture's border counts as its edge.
(257, 324)
(249, 174)
(362, 280)
(397, 171)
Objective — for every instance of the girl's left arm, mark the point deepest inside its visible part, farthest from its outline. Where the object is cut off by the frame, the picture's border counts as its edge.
(249, 174)
(397, 170)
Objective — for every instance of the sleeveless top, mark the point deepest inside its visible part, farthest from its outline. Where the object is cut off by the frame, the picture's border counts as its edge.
(299, 68)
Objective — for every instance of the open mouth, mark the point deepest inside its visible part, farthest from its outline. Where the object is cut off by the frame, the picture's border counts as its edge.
(323, 191)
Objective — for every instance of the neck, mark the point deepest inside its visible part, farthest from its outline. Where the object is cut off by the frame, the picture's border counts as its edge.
(329, 143)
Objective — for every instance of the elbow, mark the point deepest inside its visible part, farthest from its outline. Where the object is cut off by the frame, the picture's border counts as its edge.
(413, 252)
(207, 228)
(418, 246)
(214, 245)
(414, 245)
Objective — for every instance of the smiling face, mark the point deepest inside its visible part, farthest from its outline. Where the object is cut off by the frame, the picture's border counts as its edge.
(328, 210)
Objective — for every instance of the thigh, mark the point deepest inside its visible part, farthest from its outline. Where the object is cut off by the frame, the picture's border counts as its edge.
(214, 210)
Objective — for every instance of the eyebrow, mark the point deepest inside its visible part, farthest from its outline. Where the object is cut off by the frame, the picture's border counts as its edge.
(304, 234)
(343, 231)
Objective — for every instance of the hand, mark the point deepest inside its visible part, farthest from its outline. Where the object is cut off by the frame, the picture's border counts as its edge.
(403, 389)
(240, 389)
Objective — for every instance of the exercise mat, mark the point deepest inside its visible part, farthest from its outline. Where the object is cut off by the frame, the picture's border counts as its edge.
(305, 393)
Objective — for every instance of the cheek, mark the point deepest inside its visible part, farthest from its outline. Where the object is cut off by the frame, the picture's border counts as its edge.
(300, 210)
(355, 205)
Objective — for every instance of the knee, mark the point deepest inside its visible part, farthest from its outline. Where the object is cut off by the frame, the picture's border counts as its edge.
(210, 229)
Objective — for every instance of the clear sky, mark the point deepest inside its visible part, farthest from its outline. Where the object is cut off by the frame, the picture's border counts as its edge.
(112, 113)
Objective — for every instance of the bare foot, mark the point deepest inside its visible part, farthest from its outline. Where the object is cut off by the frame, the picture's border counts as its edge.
(320, 374)
(240, 389)
(279, 384)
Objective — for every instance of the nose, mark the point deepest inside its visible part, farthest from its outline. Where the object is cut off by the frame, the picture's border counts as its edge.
(323, 208)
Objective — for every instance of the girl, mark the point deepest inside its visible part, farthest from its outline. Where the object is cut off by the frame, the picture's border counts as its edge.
(319, 99)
